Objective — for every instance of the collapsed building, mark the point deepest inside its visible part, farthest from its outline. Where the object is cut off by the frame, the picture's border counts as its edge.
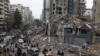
(73, 31)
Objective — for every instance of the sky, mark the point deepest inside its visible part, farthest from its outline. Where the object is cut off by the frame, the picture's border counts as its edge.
(37, 5)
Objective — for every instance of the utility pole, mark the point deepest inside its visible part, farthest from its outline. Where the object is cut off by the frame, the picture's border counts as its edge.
(49, 31)
(48, 23)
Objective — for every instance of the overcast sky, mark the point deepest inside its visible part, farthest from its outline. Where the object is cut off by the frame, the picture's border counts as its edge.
(37, 5)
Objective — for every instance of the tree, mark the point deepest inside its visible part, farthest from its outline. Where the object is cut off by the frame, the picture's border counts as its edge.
(17, 19)
(37, 22)
(9, 21)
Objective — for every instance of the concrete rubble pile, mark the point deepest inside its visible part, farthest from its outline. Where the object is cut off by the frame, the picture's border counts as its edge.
(94, 48)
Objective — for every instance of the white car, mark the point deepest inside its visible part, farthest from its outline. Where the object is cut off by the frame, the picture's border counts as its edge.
(20, 41)
(24, 45)
(22, 36)
(2, 45)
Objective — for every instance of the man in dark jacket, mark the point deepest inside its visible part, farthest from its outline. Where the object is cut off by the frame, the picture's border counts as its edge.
(24, 54)
(45, 51)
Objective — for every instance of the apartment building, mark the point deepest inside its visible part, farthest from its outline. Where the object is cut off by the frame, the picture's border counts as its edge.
(46, 10)
(88, 13)
(55, 7)
(81, 7)
(58, 7)
(13, 8)
(96, 10)
(4, 11)
(26, 13)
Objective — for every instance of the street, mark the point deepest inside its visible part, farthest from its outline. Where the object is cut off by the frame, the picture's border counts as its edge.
(31, 41)
(42, 41)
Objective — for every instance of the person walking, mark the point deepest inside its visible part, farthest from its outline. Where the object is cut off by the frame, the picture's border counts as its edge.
(45, 51)
(19, 52)
(16, 45)
(24, 54)
(7, 50)
(50, 53)
(13, 50)
(60, 52)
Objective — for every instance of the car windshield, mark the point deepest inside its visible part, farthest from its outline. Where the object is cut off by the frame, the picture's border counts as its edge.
(37, 51)
(34, 49)
(25, 44)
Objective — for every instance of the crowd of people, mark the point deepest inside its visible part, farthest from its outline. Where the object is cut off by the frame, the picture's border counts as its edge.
(10, 51)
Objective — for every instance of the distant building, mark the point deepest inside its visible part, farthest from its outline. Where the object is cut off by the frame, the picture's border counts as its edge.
(96, 10)
(13, 8)
(81, 7)
(87, 16)
(25, 12)
(27, 15)
(88, 12)
(4, 12)
(46, 10)
(55, 7)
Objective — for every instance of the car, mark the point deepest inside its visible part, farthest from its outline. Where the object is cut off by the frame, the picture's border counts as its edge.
(1, 50)
(29, 31)
(24, 45)
(3, 34)
(21, 41)
(22, 36)
(2, 45)
(33, 51)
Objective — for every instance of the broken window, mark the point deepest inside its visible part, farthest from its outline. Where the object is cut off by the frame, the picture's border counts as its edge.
(83, 31)
(0, 10)
(69, 30)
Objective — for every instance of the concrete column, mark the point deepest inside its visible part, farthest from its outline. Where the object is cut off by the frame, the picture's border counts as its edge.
(49, 32)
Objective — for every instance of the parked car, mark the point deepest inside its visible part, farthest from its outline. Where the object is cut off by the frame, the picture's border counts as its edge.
(3, 34)
(24, 45)
(22, 36)
(21, 41)
(1, 50)
(33, 51)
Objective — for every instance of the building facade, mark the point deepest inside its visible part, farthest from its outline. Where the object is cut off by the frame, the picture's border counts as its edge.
(13, 8)
(96, 10)
(88, 13)
(78, 35)
(26, 13)
(81, 7)
(46, 10)
(55, 7)
(4, 12)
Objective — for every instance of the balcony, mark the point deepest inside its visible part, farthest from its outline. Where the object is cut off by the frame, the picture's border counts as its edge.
(1, 16)
(2, 23)
(5, 5)
(6, 2)
(6, 16)
(82, 1)
(83, 6)
(1, 7)
(1, 3)
(1, 26)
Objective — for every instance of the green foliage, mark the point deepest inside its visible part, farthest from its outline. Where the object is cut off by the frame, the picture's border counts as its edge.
(37, 22)
(10, 21)
(24, 27)
(17, 19)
